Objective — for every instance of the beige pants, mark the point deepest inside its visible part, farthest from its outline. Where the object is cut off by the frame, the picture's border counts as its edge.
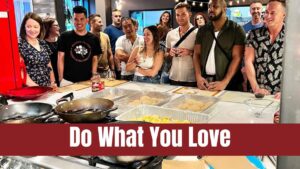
(65, 82)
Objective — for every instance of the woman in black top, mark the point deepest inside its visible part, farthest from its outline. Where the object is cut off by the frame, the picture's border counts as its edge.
(51, 35)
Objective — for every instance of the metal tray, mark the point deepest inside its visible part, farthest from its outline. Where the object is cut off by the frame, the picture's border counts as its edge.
(144, 110)
(149, 98)
(190, 106)
(113, 94)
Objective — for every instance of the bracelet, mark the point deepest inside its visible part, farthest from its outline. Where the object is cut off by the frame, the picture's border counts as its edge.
(95, 74)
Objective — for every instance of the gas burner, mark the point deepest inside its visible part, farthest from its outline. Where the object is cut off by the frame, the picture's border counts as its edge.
(151, 163)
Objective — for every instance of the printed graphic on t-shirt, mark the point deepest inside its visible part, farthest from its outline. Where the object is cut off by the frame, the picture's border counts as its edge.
(80, 51)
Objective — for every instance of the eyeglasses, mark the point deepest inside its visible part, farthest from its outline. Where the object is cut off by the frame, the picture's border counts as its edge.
(199, 18)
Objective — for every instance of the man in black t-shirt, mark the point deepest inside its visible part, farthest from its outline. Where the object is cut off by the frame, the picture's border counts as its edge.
(78, 51)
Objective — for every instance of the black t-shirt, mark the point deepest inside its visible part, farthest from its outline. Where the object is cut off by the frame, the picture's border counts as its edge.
(79, 52)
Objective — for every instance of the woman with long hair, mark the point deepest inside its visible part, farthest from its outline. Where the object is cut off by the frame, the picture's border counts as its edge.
(200, 20)
(146, 60)
(164, 24)
(51, 35)
(35, 52)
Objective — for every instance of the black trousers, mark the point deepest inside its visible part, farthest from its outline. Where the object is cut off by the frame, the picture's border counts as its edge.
(188, 84)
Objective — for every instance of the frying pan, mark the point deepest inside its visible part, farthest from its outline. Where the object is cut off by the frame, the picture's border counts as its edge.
(83, 110)
(28, 93)
(25, 113)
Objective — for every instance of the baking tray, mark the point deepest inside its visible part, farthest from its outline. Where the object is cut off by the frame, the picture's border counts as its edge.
(144, 110)
(156, 98)
(177, 103)
(113, 93)
(195, 91)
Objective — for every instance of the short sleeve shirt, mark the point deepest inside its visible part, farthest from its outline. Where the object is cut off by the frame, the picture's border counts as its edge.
(79, 52)
(268, 58)
(182, 68)
(125, 44)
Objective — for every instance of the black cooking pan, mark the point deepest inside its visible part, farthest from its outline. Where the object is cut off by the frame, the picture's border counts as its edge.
(24, 113)
(84, 110)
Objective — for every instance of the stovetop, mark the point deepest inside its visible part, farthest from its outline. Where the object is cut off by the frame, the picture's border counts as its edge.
(55, 119)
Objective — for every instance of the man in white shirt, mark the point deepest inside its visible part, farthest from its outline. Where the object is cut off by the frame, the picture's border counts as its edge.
(125, 44)
(182, 70)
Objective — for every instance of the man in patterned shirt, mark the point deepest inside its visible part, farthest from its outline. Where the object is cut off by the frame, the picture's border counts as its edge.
(264, 51)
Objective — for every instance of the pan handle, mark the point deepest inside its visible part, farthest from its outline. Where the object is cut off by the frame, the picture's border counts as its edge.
(65, 98)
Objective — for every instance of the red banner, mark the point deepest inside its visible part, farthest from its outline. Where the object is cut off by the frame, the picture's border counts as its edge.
(149, 139)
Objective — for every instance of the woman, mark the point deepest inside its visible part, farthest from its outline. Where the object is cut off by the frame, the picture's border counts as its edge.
(200, 20)
(147, 60)
(51, 35)
(164, 24)
(35, 52)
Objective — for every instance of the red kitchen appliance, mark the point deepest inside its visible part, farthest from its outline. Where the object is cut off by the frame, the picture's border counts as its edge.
(10, 67)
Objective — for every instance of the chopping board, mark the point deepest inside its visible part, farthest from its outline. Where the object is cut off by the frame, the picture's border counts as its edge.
(195, 91)
(107, 83)
(229, 162)
(195, 164)
(72, 87)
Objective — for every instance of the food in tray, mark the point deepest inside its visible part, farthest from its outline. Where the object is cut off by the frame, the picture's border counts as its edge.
(110, 96)
(145, 100)
(194, 105)
(159, 119)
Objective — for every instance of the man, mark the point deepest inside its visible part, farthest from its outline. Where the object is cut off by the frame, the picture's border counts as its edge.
(255, 11)
(114, 31)
(125, 44)
(78, 51)
(106, 61)
(182, 69)
(264, 51)
(216, 66)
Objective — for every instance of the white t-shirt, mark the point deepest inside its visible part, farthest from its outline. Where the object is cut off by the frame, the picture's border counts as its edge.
(125, 44)
(182, 67)
(145, 63)
(210, 67)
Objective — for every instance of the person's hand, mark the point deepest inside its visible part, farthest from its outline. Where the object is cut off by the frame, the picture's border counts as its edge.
(277, 95)
(262, 91)
(173, 52)
(54, 86)
(217, 85)
(95, 77)
(184, 52)
(202, 83)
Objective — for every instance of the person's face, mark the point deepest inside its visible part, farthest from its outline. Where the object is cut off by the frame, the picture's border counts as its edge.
(182, 16)
(32, 29)
(165, 18)
(80, 21)
(97, 24)
(274, 15)
(128, 28)
(148, 37)
(116, 17)
(55, 28)
(215, 10)
(255, 10)
(200, 20)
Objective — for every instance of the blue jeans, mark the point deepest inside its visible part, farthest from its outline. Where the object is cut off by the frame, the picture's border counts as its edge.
(164, 78)
(147, 79)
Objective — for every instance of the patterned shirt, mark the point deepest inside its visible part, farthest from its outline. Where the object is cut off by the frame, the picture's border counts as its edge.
(36, 61)
(268, 58)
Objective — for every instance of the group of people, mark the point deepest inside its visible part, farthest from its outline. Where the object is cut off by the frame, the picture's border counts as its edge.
(213, 54)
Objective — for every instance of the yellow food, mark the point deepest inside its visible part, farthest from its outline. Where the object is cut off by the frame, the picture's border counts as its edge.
(159, 119)
(193, 105)
(145, 100)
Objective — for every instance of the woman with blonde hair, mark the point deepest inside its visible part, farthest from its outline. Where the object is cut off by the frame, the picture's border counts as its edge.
(146, 60)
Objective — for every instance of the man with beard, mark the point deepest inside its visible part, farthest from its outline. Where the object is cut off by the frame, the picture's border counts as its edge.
(182, 69)
(114, 31)
(265, 51)
(218, 51)
(78, 51)
(105, 61)
(256, 22)
(125, 44)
